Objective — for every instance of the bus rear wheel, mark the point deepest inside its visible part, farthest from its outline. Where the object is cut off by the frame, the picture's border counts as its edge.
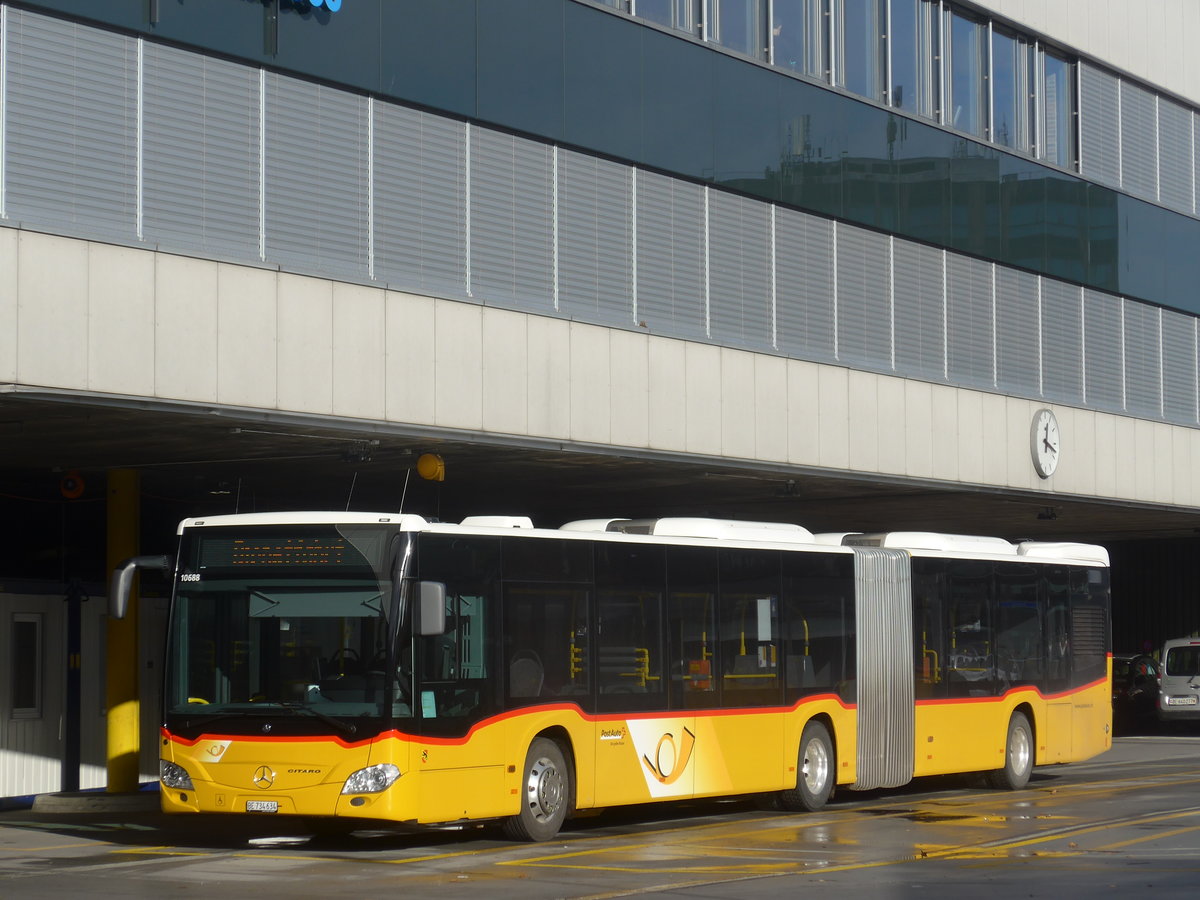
(545, 794)
(814, 771)
(1018, 756)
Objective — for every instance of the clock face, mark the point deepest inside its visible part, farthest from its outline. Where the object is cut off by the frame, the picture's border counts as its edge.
(1044, 444)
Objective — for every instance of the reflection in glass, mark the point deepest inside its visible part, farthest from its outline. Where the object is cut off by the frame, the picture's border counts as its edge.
(1058, 133)
(860, 47)
(914, 29)
(739, 25)
(1010, 91)
(679, 14)
(966, 103)
(800, 37)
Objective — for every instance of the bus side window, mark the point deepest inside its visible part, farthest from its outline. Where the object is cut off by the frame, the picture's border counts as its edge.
(970, 659)
(816, 621)
(546, 642)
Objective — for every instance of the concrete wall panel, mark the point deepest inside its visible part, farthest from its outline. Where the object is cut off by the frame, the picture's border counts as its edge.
(358, 351)
(505, 372)
(185, 329)
(549, 378)
(933, 452)
(246, 336)
(591, 383)
(668, 412)
(629, 396)
(702, 398)
(738, 410)
(304, 319)
(52, 313)
(458, 365)
(8, 304)
(833, 420)
(893, 433)
(804, 411)
(864, 431)
(409, 354)
(770, 408)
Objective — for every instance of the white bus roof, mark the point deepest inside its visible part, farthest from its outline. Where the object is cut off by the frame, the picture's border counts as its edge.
(698, 528)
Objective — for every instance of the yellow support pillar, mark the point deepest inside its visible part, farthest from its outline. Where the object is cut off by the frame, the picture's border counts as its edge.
(124, 724)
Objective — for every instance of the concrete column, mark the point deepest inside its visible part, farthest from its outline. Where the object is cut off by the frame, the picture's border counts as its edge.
(122, 638)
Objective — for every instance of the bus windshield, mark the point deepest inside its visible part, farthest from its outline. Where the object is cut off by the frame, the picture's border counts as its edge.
(296, 623)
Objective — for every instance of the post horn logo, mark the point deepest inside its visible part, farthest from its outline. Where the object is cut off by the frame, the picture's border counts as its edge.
(669, 760)
(264, 777)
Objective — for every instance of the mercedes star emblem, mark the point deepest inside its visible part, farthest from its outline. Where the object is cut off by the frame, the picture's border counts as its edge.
(264, 777)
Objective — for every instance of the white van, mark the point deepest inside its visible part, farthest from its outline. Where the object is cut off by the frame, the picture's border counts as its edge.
(1179, 681)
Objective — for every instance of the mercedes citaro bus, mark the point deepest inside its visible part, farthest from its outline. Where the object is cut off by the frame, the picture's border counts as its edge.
(353, 667)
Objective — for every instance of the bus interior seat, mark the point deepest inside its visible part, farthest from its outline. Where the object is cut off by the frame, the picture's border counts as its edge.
(800, 671)
(525, 675)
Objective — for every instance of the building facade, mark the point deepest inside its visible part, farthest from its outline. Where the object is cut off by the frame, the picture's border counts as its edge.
(868, 239)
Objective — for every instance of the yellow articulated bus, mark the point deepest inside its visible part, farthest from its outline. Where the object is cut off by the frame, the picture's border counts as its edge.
(351, 667)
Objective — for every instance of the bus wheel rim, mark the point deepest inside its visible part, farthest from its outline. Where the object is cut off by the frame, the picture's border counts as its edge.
(1019, 754)
(545, 788)
(816, 766)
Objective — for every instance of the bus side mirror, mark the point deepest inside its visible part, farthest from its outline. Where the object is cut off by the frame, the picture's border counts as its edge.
(122, 580)
(430, 611)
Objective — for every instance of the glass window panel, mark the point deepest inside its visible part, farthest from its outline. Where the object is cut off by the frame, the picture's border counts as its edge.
(929, 627)
(630, 584)
(603, 78)
(1018, 626)
(913, 39)
(739, 25)
(691, 626)
(1058, 101)
(546, 642)
(681, 14)
(677, 114)
(860, 47)
(524, 42)
(749, 652)
(967, 106)
(1010, 91)
(817, 622)
(26, 670)
(970, 663)
(800, 36)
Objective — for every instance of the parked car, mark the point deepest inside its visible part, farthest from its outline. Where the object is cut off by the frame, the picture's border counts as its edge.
(1135, 691)
(1179, 681)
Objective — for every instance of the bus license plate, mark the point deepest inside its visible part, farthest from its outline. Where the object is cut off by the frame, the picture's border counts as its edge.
(263, 806)
(1181, 701)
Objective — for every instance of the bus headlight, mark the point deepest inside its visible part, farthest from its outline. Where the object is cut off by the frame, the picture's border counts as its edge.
(371, 780)
(174, 776)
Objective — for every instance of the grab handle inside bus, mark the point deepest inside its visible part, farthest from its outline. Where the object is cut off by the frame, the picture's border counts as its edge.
(122, 580)
(430, 612)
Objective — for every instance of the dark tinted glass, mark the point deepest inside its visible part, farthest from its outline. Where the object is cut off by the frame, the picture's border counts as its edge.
(428, 53)
(603, 72)
(749, 627)
(1018, 626)
(970, 664)
(532, 559)
(26, 664)
(746, 108)
(630, 586)
(975, 200)
(314, 40)
(929, 628)
(816, 622)
(691, 627)
(677, 111)
(521, 65)
(812, 134)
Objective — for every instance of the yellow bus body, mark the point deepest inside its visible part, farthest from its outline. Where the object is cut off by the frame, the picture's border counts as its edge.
(615, 759)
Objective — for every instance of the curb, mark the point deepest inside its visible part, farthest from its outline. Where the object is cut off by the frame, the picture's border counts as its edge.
(96, 801)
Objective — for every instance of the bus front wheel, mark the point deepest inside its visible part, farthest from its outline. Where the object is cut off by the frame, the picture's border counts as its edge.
(545, 794)
(1018, 756)
(814, 771)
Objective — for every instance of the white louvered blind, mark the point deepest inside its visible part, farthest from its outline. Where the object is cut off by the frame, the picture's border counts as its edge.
(804, 279)
(740, 265)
